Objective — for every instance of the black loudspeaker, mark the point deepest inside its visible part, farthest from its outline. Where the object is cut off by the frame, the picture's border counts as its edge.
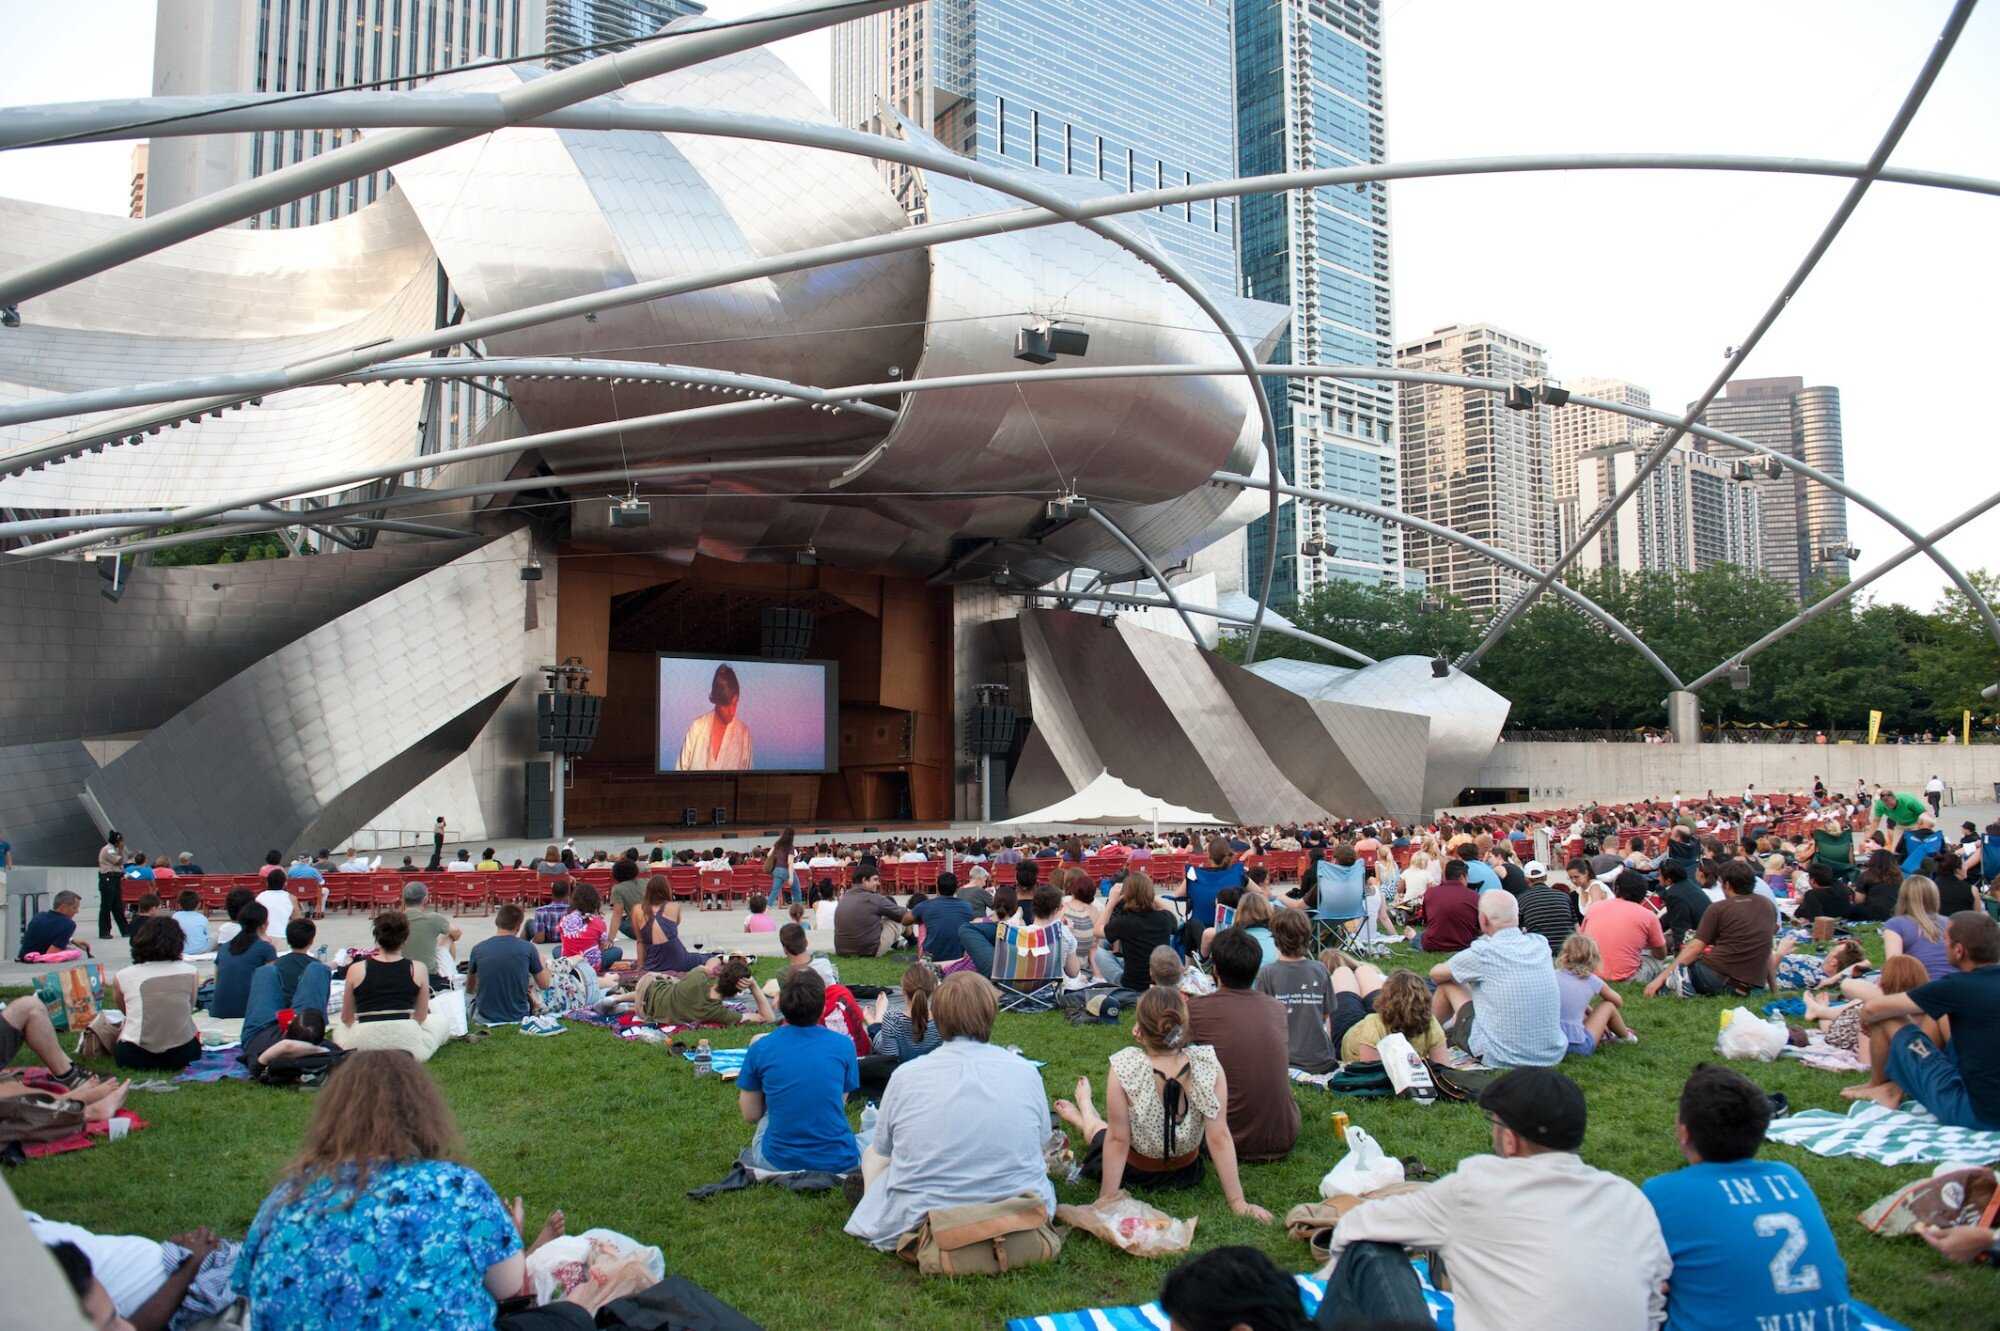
(990, 729)
(721, 815)
(689, 817)
(538, 815)
(566, 722)
(785, 633)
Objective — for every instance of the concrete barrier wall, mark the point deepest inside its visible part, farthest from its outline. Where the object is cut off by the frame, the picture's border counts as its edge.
(1569, 773)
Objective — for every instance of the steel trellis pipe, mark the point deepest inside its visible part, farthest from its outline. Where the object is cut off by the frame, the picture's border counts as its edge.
(1103, 519)
(1190, 608)
(1905, 113)
(1847, 590)
(525, 102)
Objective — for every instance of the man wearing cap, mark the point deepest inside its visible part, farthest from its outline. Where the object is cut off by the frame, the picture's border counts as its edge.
(1499, 997)
(1544, 910)
(1531, 1235)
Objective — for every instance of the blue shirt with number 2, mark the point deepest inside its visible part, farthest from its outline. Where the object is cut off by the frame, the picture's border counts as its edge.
(1751, 1248)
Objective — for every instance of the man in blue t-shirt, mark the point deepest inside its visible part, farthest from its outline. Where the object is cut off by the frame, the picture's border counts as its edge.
(502, 970)
(1920, 843)
(1749, 1242)
(794, 1087)
(942, 916)
(54, 930)
(1959, 1081)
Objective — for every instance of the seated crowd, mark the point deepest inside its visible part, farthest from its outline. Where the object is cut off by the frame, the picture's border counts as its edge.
(1236, 984)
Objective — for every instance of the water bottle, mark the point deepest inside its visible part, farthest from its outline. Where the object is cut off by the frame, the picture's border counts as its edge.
(704, 1062)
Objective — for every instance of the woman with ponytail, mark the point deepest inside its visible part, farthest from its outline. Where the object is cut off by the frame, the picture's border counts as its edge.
(1163, 1109)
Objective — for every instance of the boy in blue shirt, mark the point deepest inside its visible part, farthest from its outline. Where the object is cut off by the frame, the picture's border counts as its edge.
(794, 1086)
(193, 922)
(1749, 1242)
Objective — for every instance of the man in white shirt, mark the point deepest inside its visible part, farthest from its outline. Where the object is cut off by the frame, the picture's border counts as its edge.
(277, 901)
(151, 1283)
(1531, 1236)
(463, 864)
(355, 862)
(1934, 792)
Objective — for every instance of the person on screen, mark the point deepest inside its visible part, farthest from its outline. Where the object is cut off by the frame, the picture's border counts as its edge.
(716, 741)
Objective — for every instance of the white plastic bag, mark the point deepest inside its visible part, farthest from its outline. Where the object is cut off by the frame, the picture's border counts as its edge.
(569, 1260)
(452, 1004)
(1364, 1168)
(1744, 1034)
(1407, 1071)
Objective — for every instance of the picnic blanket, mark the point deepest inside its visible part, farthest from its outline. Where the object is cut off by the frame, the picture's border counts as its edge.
(726, 1062)
(1906, 1136)
(92, 1134)
(1817, 1053)
(217, 1065)
(1150, 1317)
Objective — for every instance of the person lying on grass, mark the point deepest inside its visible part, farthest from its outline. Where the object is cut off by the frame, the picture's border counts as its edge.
(699, 998)
(1163, 1110)
(150, 1284)
(1953, 1069)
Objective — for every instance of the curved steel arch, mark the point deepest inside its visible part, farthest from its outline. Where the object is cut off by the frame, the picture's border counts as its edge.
(1190, 608)
(1104, 520)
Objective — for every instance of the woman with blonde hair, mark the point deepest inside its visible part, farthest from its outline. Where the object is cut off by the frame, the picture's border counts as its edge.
(1162, 1105)
(1578, 985)
(1915, 929)
(376, 1223)
(1415, 880)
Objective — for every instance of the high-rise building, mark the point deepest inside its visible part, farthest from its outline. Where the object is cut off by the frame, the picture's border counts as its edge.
(1472, 463)
(1309, 96)
(236, 46)
(1136, 94)
(139, 180)
(1575, 430)
(1693, 511)
(1804, 525)
(570, 24)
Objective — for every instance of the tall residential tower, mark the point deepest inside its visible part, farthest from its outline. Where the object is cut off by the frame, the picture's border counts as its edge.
(1308, 97)
(1472, 463)
(1136, 94)
(1804, 524)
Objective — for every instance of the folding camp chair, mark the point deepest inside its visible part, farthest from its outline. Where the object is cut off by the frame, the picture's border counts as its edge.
(1341, 905)
(1024, 967)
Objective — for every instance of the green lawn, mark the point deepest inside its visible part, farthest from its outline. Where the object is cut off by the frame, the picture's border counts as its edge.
(615, 1133)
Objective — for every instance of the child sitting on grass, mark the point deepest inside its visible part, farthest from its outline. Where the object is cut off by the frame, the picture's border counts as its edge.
(1579, 984)
(798, 914)
(759, 920)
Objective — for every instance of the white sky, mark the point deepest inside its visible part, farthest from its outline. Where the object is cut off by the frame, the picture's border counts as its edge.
(1646, 277)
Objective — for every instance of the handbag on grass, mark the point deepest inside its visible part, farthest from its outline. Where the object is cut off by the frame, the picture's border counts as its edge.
(983, 1240)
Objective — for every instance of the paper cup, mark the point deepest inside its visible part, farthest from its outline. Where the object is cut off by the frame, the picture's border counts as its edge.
(120, 1129)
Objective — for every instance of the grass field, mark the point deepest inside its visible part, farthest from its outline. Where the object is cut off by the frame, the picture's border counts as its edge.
(615, 1133)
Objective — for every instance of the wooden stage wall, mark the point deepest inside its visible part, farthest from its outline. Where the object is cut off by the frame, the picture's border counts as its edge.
(891, 637)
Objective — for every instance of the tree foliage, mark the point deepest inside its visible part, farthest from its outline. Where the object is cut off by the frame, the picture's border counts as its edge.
(1562, 671)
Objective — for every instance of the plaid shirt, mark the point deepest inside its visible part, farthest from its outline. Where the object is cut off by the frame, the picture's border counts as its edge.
(548, 916)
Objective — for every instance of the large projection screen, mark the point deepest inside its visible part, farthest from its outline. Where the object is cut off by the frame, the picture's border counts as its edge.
(742, 715)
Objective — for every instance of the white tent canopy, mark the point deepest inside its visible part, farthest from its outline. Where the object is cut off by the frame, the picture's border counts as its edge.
(1109, 802)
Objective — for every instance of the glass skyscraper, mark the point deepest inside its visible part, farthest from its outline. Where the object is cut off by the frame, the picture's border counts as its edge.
(1135, 93)
(1309, 97)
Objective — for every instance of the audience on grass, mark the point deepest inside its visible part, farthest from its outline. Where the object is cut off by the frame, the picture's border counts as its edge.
(964, 1124)
(295, 982)
(583, 931)
(794, 1087)
(1451, 913)
(628, 894)
(1305, 989)
(1248, 1032)
(942, 917)
(1545, 910)
(1628, 933)
(157, 995)
(1591, 1009)
(193, 921)
(376, 1223)
(1720, 1215)
(149, 1284)
(701, 997)
(1236, 1289)
(433, 937)
(799, 955)
(1685, 904)
(1915, 928)
(504, 972)
(1956, 1078)
(867, 923)
(1498, 996)
(659, 936)
(238, 960)
(1162, 1112)
(1530, 1235)
(386, 998)
(1730, 952)
(25, 1022)
(1874, 896)
(1135, 923)
(1372, 1007)
(546, 925)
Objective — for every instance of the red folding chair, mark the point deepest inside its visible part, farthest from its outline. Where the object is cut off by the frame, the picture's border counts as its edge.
(684, 882)
(714, 885)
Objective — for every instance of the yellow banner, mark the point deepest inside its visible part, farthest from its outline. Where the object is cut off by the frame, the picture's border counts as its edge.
(1874, 726)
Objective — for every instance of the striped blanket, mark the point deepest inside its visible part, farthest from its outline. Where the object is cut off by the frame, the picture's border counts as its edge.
(1906, 1136)
(1150, 1317)
(726, 1062)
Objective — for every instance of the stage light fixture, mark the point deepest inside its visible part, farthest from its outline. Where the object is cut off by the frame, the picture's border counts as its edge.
(629, 510)
(1739, 677)
(532, 570)
(1440, 668)
(1312, 548)
(1041, 343)
(1519, 398)
(1065, 507)
(1548, 391)
(809, 557)
(10, 316)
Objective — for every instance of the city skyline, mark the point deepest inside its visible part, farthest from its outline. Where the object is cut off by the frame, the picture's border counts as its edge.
(1550, 261)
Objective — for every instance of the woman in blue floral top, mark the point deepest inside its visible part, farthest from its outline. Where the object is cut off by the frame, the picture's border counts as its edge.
(375, 1224)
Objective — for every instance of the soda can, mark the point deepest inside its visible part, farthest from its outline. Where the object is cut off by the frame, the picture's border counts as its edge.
(1340, 1125)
